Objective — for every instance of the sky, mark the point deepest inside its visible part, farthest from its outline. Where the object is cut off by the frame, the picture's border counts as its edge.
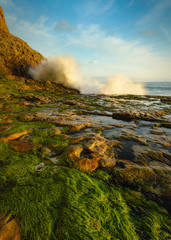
(106, 37)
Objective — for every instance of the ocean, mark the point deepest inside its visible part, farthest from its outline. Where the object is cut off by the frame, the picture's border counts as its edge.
(158, 88)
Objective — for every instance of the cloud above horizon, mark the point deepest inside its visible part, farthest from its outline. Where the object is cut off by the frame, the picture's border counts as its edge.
(103, 43)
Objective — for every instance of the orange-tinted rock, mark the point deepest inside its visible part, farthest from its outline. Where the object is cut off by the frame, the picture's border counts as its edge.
(108, 162)
(77, 139)
(23, 146)
(87, 164)
(74, 152)
(56, 130)
(6, 121)
(14, 136)
(6, 110)
(9, 228)
(79, 127)
(24, 103)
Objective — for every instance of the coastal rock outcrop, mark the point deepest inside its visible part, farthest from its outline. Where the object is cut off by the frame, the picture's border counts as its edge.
(15, 54)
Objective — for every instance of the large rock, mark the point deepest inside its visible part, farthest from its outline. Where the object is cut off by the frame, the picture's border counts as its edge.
(131, 174)
(91, 152)
(74, 151)
(9, 228)
(89, 164)
(104, 148)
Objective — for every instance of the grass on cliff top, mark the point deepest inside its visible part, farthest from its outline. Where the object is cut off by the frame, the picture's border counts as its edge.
(63, 203)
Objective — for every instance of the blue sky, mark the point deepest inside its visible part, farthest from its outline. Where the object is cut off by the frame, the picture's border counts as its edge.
(106, 37)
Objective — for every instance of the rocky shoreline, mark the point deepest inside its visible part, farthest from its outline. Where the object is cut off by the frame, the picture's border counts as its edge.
(77, 166)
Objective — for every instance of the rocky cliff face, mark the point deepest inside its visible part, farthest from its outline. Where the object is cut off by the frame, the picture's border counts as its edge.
(3, 25)
(16, 56)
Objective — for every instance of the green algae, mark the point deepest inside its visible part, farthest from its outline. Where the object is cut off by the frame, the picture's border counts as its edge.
(19, 126)
(64, 203)
(146, 157)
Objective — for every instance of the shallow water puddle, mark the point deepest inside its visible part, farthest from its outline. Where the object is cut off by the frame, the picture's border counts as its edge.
(128, 151)
(105, 120)
(112, 133)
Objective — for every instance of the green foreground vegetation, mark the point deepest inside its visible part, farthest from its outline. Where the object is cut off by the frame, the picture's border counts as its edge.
(62, 202)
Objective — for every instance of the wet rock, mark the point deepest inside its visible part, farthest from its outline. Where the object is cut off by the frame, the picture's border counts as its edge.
(14, 136)
(131, 174)
(89, 164)
(157, 131)
(56, 130)
(74, 152)
(166, 100)
(23, 146)
(9, 228)
(76, 103)
(77, 139)
(96, 145)
(108, 162)
(79, 127)
(127, 116)
(163, 177)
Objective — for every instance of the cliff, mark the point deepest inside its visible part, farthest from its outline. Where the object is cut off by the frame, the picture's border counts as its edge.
(16, 56)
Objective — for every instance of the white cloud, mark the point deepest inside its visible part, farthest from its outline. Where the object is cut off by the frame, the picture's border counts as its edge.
(116, 55)
(24, 28)
(98, 52)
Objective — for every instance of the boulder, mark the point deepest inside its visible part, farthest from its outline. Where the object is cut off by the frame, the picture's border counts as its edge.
(74, 151)
(103, 148)
(9, 228)
(89, 164)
